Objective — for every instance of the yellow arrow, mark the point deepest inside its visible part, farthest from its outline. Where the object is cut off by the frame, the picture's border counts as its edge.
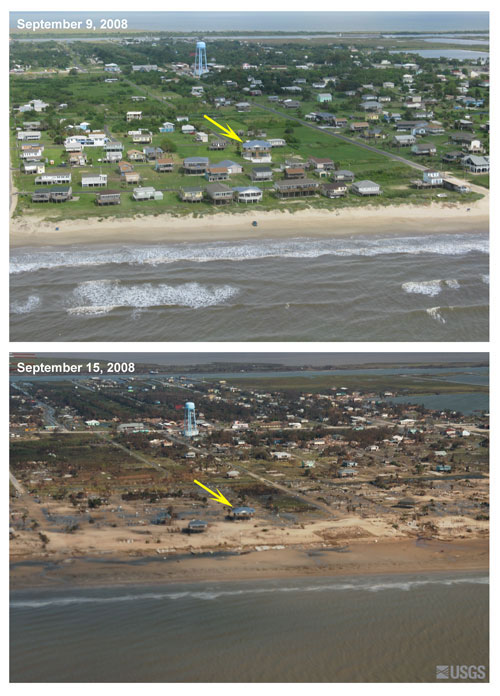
(228, 132)
(217, 496)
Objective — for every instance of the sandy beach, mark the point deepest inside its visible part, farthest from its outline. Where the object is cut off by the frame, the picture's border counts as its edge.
(356, 558)
(437, 217)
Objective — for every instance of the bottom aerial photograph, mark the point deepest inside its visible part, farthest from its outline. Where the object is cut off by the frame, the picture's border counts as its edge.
(249, 517)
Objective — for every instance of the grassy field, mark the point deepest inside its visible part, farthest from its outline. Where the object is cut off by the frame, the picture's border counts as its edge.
(375, 383)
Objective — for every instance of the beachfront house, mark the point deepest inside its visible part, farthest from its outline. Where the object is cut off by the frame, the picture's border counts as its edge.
(219, 194)
(334, 190)
(366, 188)
(191, 194)
(432, 178)
(147, 193)
(56, 194)
(108, 197)
(196, 526)
(296, 189)
(248, 194)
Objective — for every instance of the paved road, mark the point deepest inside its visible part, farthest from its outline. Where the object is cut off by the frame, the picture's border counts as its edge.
(290, 492)
(344, 138)
(19, 488)
(411, 163)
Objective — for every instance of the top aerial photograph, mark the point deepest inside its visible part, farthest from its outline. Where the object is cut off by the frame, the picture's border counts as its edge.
(249, 176)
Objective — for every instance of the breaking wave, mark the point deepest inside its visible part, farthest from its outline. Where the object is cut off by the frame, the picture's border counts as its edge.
(435, 314)
(27, 260)
(209, 594)
(96, 297)
(30, 305)
(430, 287)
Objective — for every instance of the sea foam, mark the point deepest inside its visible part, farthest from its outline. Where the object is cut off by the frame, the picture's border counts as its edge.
(430, 287)
(26, 260)
(32, 303)
(96, 297)
(216, 593)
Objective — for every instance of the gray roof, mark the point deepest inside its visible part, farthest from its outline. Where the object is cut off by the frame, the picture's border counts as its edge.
(196, 160)
(366, 183)
(256, 143)
(218, 188)
(226, 163)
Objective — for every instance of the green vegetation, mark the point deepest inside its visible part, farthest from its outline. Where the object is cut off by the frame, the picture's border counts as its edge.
(72, 74)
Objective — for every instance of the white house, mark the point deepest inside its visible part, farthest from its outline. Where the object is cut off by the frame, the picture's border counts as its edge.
(91, 180)
(134, 116)
(432, 177)
(248, 194)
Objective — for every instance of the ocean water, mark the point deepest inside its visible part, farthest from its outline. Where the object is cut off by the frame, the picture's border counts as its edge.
(279, 21)
(361, 629)
(406, 288)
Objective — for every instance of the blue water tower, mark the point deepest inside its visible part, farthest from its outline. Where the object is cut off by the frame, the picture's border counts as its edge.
(200, 59)
(190, 427)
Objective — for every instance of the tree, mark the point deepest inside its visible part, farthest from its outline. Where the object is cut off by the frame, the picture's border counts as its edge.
(168, 145)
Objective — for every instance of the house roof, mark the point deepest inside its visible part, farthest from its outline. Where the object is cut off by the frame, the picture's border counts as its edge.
(218, 188)
(250, 189)
(227, 163)
(366, 183)
(196, 160)
(256, 143)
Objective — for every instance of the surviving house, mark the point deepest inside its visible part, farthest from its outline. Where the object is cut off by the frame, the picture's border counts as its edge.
(257, 151)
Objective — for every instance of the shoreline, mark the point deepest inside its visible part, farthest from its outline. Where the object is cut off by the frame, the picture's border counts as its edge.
(390, 220)
(358, 558)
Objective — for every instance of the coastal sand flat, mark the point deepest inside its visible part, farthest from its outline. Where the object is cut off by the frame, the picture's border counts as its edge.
(397, 220)
(359, 558)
